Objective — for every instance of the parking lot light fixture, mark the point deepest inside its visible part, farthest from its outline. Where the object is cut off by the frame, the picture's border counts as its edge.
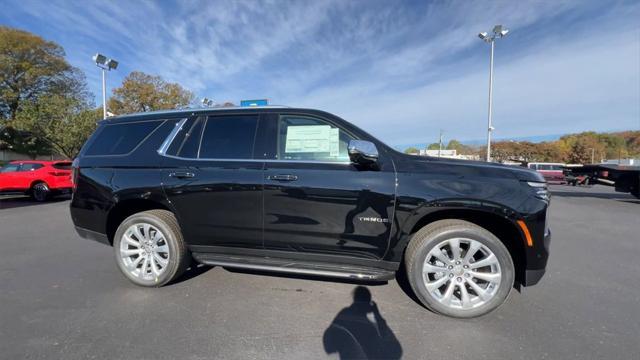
(498, 31)
(105, 64)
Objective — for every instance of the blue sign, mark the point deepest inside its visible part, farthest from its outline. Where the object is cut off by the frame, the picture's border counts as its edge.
(260, 102)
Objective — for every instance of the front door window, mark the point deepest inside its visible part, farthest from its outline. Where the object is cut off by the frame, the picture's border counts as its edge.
(304, 138)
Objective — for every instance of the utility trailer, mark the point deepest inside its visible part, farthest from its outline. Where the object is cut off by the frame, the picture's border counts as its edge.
(624, 178)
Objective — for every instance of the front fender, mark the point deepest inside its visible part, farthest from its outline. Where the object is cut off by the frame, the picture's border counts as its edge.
(412, 215)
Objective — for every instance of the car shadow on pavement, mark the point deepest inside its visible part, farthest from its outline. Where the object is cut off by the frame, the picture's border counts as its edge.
(11, 202)
(192, 271)
(403, 283)
(305, 277)
(360, 332)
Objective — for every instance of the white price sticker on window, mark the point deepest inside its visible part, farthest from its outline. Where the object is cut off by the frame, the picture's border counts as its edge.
(312, 139)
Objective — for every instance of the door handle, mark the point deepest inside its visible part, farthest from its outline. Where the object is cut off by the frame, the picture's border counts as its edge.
(283, 177)
(182, 175)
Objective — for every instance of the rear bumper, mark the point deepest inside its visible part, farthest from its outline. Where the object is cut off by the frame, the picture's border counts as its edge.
(92, 235)
(61, 191)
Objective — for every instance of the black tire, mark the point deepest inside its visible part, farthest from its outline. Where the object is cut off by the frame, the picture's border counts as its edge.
(434, 234)
(40, 192)
(179, 256)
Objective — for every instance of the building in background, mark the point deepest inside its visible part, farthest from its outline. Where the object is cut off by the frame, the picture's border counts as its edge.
(446, 153)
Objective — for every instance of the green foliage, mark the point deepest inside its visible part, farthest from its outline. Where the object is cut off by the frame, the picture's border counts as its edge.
(23, 142)
(63, 123)
(411, 150)
(433, 146)
(459, 147)
(33, 72)
(31, 68)
(142, 92)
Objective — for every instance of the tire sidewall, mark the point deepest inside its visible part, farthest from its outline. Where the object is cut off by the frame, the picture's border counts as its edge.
(45, 192)
(169, 236)
(485, 238)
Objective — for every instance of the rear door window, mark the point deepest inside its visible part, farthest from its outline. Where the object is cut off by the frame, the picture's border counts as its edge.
(229, 137)
(30, 167)
(121, 139)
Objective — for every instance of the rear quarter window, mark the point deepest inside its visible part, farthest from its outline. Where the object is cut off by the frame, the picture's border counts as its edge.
(62, 166)
(121, 139)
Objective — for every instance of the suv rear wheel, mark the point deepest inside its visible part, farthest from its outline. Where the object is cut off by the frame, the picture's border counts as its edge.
(40, 192)
(149, 248)
(459, 269)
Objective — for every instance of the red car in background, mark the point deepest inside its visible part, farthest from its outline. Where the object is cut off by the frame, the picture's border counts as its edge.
(39, 179)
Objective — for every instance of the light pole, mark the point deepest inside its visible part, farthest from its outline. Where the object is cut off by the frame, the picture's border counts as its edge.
(105, 64)
(498, 32)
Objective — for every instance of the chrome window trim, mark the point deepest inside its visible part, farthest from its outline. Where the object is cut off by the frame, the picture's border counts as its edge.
(172, 135)
(260, 160)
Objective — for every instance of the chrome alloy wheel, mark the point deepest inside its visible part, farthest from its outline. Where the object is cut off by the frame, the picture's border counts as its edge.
(40, 191)
(144, 251)
(461, 273)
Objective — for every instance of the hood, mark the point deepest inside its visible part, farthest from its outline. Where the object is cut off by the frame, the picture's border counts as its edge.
(412, 163)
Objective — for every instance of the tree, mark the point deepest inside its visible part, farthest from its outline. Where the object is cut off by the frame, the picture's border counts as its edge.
(459, 147)
(433, 146)
(411, 150)
(579, 153)
(142, 92)
(23, 142)
(62, 123)
(582, 146)
(30, 68)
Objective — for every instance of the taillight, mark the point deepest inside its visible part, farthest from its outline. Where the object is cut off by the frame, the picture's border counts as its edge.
(75, 169)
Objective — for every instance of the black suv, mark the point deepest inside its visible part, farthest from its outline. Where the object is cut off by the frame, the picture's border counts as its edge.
(303, 191)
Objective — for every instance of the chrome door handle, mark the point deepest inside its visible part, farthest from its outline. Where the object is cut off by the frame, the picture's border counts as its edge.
(282, 177)
(182, 175)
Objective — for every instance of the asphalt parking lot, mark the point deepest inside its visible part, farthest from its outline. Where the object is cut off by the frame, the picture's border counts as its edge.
(63, 297)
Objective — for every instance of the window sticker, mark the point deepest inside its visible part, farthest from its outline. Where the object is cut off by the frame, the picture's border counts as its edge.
(312, 139)
(334, 142)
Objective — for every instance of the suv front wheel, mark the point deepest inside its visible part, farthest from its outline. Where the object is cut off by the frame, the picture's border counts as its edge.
(149, 248)
(459, 269)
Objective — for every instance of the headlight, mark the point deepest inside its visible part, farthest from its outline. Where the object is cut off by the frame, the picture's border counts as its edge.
(540, 189)
(536, 184)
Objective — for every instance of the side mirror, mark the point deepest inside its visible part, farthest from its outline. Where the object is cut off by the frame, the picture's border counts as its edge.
(362, 152)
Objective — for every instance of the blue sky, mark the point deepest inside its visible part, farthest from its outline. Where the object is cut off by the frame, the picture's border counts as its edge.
(400, 70)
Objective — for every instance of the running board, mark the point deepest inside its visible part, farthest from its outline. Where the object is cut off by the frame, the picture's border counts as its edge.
(295, 266)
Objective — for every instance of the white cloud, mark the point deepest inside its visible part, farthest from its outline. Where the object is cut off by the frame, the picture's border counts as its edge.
(402, 71)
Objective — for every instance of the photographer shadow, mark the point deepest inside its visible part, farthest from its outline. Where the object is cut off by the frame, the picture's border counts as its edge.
(360, 332)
